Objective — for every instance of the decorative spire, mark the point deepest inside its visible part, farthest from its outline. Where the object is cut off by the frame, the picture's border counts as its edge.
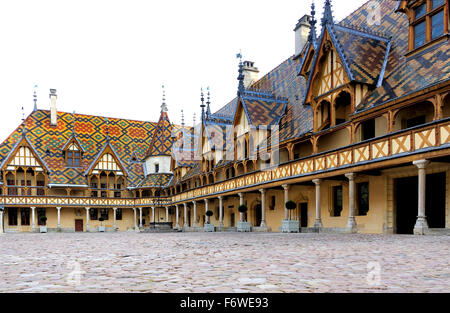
(312, 33)
(24, 128)
(163, 105)
(194, 119)
(73, 123)
(327, 18)
(202, 99)
(35, 99)
(241, 74)
(208, 102)
(182, 118)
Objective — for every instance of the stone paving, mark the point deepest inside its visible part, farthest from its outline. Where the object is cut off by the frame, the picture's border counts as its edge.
(223, 262)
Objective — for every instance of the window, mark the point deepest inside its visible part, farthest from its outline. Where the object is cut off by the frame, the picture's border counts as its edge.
(363, 198)
(94, 193)
(28, 192)
(119, 214)
(156, 168)
(93, 214)
(12, 191)
(427, 22)
(73, 156)
(337, 200)
(40, 213)
(12, 216)
(104, 214)
(272, 203)
(368, 129)
(40, 190)
(117, 193)
(25, 217)
(419, 120)
(104, 193)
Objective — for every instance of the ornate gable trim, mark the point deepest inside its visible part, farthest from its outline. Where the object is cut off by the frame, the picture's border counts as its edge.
(107, 149)
(23, 142)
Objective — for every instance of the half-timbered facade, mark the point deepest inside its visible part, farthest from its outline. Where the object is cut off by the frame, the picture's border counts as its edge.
(354, 128)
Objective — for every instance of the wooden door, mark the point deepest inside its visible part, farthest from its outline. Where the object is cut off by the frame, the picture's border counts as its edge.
(78, 225)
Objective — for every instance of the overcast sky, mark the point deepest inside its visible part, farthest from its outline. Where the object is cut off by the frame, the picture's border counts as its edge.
(110, 57)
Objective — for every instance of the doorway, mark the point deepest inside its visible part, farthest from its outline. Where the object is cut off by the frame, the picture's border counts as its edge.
(232, 220)
(258, 215)
(304, 214)
(78, 225)
(406, 201)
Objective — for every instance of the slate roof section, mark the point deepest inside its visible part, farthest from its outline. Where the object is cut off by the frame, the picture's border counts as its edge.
(156, 181)
(125, 136)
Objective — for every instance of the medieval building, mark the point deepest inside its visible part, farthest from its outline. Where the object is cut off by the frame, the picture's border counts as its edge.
(354, 128)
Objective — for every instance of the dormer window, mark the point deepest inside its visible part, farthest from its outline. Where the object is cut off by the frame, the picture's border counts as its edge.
(73, 156)
(427, 22)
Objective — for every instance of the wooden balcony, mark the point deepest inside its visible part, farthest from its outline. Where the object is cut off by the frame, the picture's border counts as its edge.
(421, 139)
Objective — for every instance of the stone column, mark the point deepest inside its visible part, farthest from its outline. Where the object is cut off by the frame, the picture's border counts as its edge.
(135, 218)
(177, 216)
(206, 210)
(153, 215)
(421, 225)
(115, 219)
(286, 199)
(140, 218)
(195, 214)
(59, 217)
(263, 208)
(351, 223)
(167, 214)
(185, 215)
(1, 222)
(241, 202)
(87, 219)
(220, 212)
(318, 223)
(33, 218)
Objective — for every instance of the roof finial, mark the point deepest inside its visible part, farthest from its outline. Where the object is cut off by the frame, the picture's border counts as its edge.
(24, 129)
(35, 99)
(194, 119)
(182, 118)
(73, 123)
(312, 33)
(202, 99)
(241, 74)
(327, 14)
(208, 102)
(163, 105)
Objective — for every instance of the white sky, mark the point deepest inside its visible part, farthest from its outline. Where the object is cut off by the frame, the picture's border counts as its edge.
(110, 57)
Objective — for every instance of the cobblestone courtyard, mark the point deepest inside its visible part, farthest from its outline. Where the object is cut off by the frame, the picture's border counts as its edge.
(223, 262)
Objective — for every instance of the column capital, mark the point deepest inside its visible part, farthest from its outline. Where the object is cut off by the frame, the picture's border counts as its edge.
(87, 208)
(114, 209)
(350, 176)
(206, 200)
(194, 202)
(140, 209)
(262, 191)
(317, 181)
(58, 208)
(421, 164)
(285, 186)
(185, 204)
(220, 197)
(33, 207)
(240, 194)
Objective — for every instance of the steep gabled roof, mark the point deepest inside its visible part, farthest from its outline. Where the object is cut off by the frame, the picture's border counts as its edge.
(262, 108)
(107, 148)
(162, 139)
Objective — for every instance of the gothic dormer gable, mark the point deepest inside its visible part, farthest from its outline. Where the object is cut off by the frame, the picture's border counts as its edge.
(107, 160)
(23, 154)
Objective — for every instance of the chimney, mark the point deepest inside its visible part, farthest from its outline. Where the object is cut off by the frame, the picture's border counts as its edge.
(53, 112)
(302, 30)
(251, 73)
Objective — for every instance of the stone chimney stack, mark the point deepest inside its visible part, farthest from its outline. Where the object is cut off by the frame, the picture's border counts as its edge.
(251, 73)
(302, 30)
(53, 112)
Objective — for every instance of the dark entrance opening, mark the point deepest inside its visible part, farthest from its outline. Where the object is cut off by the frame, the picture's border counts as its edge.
(303, 214)
(406, 195)
(258, 216)
(232, 218)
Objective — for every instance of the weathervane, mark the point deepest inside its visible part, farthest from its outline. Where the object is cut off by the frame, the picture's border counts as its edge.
(35, 98)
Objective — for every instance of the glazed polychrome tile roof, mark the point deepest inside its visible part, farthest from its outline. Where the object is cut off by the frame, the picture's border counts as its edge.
(162, 138)
(127, 137)
(156, 181)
